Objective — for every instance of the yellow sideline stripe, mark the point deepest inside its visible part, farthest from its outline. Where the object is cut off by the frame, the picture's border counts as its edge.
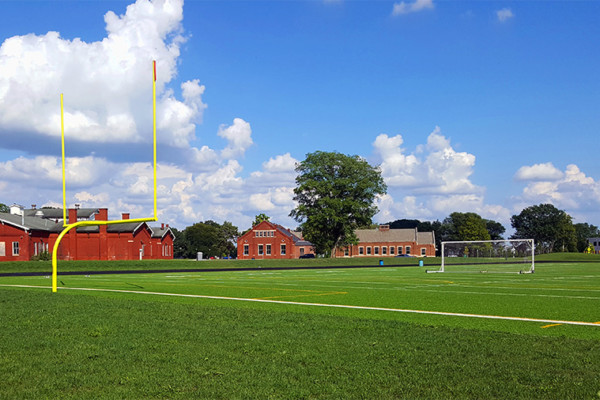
(297, 303)
(551, 325)
(68, 226)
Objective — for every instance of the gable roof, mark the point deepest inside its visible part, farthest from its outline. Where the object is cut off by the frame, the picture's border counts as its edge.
(390, 235)
(426, 237)
(159, 232)
(31, 223)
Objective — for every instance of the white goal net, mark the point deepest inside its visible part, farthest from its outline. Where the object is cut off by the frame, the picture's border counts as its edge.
(504, 256)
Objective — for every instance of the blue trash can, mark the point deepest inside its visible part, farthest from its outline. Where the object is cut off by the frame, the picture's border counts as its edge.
(380, 262)
(420, 263)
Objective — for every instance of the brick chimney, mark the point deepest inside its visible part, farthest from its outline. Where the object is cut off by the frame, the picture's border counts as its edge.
(102, 214)
(162, 226)
(72, 215)
(124, 215)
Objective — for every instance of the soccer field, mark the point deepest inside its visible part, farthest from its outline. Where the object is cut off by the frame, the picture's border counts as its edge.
(539, 333)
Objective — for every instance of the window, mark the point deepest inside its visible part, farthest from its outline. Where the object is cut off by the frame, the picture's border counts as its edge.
(399, 250)
(260, 249)
(407, 249)
(361, 251)
(423, 251)
(283, 249)
(268, 249)
(246, 249)
(391, 250)
(384, 251)
(15, 248)
(368, 250)
(376, 250)
(346, 252)
(2, 249)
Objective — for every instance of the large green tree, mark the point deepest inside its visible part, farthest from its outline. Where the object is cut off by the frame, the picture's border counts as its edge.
(465, 226)
(551, 228)
(336, 195)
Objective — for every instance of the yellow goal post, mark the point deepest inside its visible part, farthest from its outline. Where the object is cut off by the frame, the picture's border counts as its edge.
(67, 227)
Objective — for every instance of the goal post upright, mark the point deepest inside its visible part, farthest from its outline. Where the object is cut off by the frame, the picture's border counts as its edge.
(67, 227)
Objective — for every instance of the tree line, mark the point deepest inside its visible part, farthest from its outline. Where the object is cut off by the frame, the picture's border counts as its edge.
(552, 229)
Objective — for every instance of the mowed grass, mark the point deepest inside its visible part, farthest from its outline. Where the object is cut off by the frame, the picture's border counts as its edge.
(123, 341)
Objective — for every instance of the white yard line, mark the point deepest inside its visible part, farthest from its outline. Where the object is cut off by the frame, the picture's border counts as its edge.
(399, 310)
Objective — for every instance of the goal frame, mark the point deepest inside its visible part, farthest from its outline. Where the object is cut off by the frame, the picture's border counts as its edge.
(68, 226)
(530, 241)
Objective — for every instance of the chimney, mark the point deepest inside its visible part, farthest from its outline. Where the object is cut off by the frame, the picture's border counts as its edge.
(167, 226)
(72, 215)
(102, 214)
(124, 215)
(384, 228)
(33, 206)
(162, 226)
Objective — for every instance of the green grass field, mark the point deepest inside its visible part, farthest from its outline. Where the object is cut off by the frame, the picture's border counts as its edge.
(384, 332)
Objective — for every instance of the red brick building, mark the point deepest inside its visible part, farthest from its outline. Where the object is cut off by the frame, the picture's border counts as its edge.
(386, 242)
(28, 233)
(271, 241)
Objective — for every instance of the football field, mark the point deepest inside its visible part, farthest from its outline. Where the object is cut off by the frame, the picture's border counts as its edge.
(516, 323)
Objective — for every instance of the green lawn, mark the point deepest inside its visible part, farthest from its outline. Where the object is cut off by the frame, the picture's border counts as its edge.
(129, 339)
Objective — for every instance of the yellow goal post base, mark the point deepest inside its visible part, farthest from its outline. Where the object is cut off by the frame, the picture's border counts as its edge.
(66, 225)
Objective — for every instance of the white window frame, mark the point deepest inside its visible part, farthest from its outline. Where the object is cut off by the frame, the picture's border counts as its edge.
(15, 248)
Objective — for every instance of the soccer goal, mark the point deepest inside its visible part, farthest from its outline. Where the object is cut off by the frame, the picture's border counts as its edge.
(493, 256)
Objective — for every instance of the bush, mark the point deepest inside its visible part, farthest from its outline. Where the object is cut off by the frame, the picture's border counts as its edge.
(43, 256)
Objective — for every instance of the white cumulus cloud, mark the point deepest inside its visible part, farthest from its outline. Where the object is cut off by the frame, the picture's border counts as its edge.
(539, 172)
(239, 138)
(106, 83)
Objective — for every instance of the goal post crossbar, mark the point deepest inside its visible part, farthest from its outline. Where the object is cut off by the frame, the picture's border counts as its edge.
(530, 252)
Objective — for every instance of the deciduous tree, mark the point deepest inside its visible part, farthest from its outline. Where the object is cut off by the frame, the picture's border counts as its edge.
(465, 226)
(335, 195)
(551, 228)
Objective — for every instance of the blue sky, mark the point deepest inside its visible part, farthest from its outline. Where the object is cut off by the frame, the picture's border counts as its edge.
(478, 106)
